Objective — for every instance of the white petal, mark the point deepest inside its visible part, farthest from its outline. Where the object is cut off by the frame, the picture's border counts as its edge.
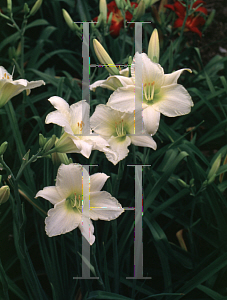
(143, 141)
(87, 229)
(79, 112)
(97, 181)
(173, 100)
(61, 220)
(124, 72)
(11, 89)
(123, 99)
(98, 142)
(34, 84)
(148, 71)
(151, 119)
(60, 104)
(104, 207)
(69, 180)
(84, 147)
(120, 146)
(56, 117)
(4, 74)
(173, 77)
(50, 193)
(112, 82)
(102, 121)
(112, 156)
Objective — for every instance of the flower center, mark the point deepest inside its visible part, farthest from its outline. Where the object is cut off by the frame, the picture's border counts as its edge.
(5, 76)
(78, 127)
(149, 91)
(120, 130)
(74, 202)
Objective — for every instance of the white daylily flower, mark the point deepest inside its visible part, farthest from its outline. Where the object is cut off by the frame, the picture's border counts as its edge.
(75, 121)
(10, 88)
(118, 129)
(114, 82)
(159, 93)
(67, 196)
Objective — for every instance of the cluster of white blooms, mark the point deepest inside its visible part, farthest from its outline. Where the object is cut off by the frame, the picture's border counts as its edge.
(131, 116)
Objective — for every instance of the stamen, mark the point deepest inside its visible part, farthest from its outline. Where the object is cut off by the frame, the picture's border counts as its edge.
(120, 128)
(148, 90)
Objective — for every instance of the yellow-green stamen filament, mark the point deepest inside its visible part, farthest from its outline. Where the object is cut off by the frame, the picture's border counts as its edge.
(148, 90)
(120, 128)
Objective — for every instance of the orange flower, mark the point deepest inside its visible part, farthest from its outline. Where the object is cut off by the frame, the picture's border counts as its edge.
(193, 21)
(117, 21)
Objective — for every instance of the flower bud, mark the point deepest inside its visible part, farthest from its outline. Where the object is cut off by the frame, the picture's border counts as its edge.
(50, 143)
(214, 168)
(12, 53)
(192, 182)
(3, 148)
(104, 58)
(120, 4)
(212, 178)
(4, 193)
(26, 157)
(110, 19)
(42, 140)
(140, 10)
(73, 26)
(26, 9)
(182, 183)
(60, 158)
(153, 47)
(36, 7)
(103, 10)
(9, 5)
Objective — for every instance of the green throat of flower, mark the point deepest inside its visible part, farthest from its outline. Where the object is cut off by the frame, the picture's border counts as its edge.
(74, 202)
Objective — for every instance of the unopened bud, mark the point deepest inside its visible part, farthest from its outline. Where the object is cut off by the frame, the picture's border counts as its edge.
(60, 158)
(18, 51)
(50, 143)
(73, 26)
(36, 7)
(4, 193)
(182, 183)
(120, 4)
(12, 53)
(214, 168)
(42, 140)
(191, 182)
(209, 19)
(26, 157)
(3, 148)
(140, 10)
(104, 58)
(103, 10)
(153, 47)
(9, 5)
(26, 9)
(110, 19)
(212, 178)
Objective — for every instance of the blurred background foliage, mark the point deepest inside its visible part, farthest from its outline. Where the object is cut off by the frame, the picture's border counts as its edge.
(184, 186)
